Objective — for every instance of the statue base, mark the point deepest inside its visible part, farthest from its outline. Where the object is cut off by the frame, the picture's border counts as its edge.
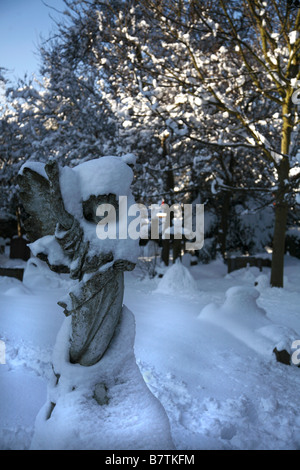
(106, 406)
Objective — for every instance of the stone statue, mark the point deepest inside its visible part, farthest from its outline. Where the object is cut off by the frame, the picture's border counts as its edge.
(96, 302)
(93, 359)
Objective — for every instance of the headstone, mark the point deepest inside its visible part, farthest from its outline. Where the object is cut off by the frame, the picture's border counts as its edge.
(19, 249)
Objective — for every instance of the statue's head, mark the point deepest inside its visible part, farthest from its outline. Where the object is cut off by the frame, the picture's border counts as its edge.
(93, 183)
(90, 206)
(69, 208)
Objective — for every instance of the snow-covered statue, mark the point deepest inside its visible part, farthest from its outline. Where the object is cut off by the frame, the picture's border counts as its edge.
(95, 374)
(63, 205)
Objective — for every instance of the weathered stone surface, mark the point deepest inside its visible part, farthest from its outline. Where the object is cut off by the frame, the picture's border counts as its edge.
(96, 302)
(282, 356)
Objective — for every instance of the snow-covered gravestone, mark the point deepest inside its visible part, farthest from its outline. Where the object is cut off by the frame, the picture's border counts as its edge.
(97, 398)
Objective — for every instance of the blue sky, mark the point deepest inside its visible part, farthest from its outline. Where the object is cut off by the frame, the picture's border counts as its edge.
(22, 22)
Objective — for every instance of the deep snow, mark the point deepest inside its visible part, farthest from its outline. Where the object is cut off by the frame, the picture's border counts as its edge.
(129, 417)
(204, 352)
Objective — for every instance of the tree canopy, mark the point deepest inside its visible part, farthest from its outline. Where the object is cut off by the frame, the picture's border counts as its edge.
(204, 93)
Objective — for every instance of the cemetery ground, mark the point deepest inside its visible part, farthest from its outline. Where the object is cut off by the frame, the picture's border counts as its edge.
(204, 344)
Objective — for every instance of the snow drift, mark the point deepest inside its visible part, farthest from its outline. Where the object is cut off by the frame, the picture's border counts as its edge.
(131, 417)
(177, 280)
(243, 318)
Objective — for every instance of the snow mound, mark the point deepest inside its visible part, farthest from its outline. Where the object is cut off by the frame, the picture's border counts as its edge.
(241, 301)
(248, 274)
(244, 319)
(7, 283)
(177, 279)
(282, 336)
(262, 282)
(38, 275)
(130, 417)
(18, 291)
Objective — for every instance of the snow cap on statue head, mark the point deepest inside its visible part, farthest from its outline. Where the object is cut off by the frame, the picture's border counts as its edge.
(105, 175)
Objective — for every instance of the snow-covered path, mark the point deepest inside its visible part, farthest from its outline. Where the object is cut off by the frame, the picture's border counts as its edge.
(219, 391)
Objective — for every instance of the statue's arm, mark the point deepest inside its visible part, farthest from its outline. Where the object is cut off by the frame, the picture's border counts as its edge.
(124, 265)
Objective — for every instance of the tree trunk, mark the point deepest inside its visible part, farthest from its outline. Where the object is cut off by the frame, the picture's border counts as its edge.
(277, 269)
(168, 186)
(165, 252)
(281, 211)
(176, 249)
(281, 205)
(223, 230)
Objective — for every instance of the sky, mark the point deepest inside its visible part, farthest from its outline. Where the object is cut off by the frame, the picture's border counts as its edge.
(22, 24)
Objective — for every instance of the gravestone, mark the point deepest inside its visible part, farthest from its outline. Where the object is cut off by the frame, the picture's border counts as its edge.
(19, 249)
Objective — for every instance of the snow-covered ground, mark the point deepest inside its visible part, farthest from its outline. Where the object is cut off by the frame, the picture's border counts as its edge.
(204, 342)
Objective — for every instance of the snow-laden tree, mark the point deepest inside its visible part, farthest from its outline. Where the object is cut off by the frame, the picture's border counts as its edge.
(65, 113)
(233, 183)
(222, 74)
(97, 40)
(202, 92)
(62, 116)
(11, 157)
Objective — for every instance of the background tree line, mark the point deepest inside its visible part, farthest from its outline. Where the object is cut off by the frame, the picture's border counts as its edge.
(202, 92)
